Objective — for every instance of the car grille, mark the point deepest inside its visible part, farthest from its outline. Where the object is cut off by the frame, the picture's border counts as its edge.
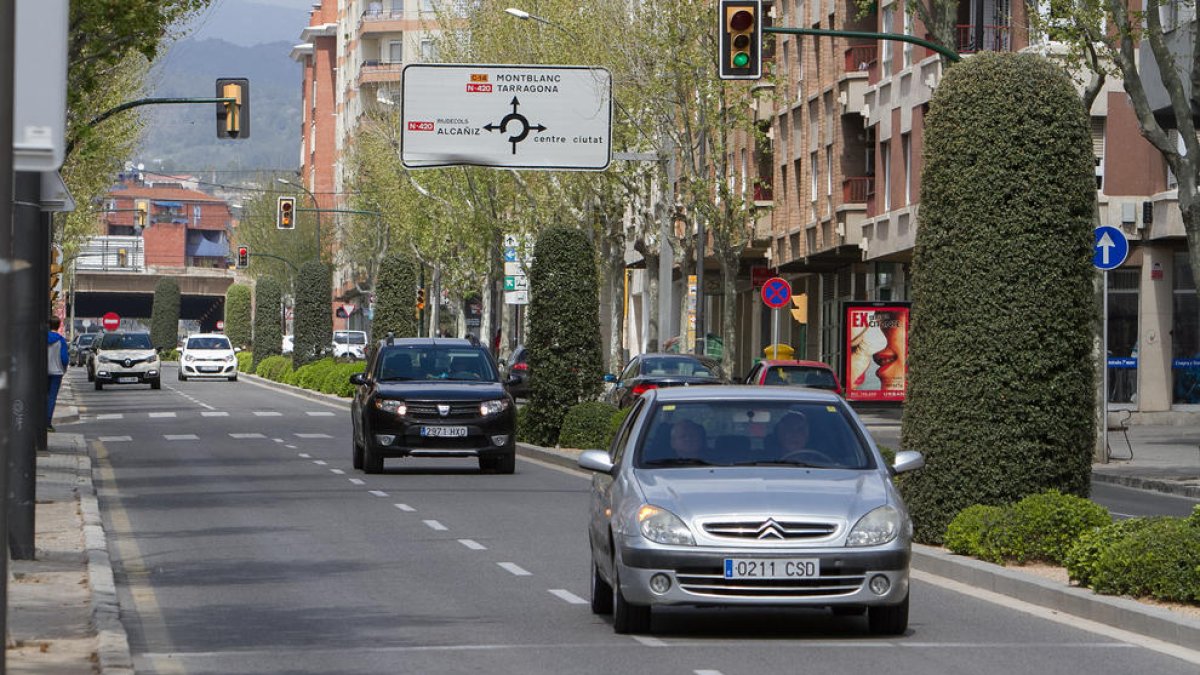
(769, 529)
(712, 582)
(429, 410)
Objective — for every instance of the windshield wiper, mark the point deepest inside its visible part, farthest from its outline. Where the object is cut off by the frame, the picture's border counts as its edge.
(397, 378)
(779, 462)
(678, 461)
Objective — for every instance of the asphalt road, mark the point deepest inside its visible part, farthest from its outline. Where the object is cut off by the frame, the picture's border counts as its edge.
(244, 542)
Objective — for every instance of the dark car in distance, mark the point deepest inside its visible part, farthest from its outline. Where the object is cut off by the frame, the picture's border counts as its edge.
(432, 397)
(80, 347)
(654, 371)
(518, 373)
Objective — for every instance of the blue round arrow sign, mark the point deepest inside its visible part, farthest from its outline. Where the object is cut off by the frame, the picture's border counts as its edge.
(1110, 248)
(776, 293)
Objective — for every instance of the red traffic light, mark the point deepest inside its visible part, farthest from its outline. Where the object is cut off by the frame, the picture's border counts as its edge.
(243, 251)
(741, 20)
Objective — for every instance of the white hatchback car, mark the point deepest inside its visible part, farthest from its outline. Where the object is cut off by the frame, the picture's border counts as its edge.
(350, 344)
(208, 355)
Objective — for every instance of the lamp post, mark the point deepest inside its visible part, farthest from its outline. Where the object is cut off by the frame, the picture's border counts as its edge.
(316, 209)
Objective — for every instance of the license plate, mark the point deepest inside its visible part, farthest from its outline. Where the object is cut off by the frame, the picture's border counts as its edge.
(127, 380)
(210, 369)
(772, 568)
(450, 432)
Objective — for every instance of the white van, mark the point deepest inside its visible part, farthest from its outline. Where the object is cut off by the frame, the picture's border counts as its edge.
(350, 344)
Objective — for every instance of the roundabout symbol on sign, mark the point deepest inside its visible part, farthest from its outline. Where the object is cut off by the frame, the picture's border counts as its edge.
(514, 116)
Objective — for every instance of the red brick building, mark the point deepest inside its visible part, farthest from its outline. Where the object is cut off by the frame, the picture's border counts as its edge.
(183, 227)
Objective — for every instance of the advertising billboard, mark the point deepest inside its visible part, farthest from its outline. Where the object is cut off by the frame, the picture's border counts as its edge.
(876, 350)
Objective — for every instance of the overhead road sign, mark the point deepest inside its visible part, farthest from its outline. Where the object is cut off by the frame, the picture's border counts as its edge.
(517, 117)
(1110, 248)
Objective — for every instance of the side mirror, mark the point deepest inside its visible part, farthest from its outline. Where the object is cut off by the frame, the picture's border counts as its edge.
(609, 377)
(907, 460)
(358, 379)
(596, 460)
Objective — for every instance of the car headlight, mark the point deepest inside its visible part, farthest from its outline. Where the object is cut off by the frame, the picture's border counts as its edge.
(664, 527)
(230, 358)
(103, 359)
(189, 357)
(392, 406)
(493, 407)
(877, 527)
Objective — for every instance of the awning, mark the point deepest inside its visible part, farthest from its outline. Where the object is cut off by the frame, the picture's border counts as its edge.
(207, 244)
(168, 205)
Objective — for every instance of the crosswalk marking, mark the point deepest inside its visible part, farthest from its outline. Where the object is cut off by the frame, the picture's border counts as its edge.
(181, 437)
(319, 413)
(161, 414)
(209, 413)
(243, 436)
(115, 439)
(313, 436)
(267, 413)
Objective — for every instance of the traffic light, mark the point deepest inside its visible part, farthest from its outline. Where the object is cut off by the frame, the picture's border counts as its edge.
(55, 274)
(233, 117)
(243, 257)
(421, 298)
(285, 212)
(800, 307)
(141, 212)
(740, 32)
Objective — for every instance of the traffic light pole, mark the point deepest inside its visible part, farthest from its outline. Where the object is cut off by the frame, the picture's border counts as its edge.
(950, 54)
(141, 102)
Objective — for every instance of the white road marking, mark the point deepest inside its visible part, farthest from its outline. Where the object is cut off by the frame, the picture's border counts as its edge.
(358, 481)
(435, 525)
(707, 672)
(320, 462)
(277, 440)
(337, 471)
(568, 596)
(320, 413)
(305, 455)
(313, 436)
(515, 569)
(472, 544)
(405, 507)
(111, 416)
(209, 413)
(267, 413)
(114, 439)
(244, 436)
(181, 437)
(379, 493)
(650, 641)
(290, 447)
(162, 414)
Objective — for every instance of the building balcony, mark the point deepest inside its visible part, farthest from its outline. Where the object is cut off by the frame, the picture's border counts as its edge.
(993, 39)
(373, 72)
(764, 195)
(858, 189)
(861, 58)
(378, 19)
(112, 254)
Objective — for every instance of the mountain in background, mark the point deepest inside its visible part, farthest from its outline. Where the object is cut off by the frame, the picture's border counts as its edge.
(183, 137)
(249, 23)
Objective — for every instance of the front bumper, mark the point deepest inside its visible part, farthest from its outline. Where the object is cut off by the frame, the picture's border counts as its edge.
(391, 437)
(697, 576)
(208, 368)
(107, 374)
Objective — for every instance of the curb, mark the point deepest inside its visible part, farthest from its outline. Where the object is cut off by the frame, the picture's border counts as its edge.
(1123, 613)
(294, 390)
(112, 642)
(1192, 491)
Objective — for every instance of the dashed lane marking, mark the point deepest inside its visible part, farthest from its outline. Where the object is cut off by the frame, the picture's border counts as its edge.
(305, 455)
(290, 447)
(277, 440)
(115, 439)
(358, 481)
(319, 413)
(267, 413)
(337, 471)
(405, 507)
(379, 493)
(568, 596)
(472, 544)
(515, 569)
(435, 525)
(211, 413)
(320, 462)
(245, 436)
(156, 415)
(181, 437)
(111, 416)
(650, 641)
(313, 436)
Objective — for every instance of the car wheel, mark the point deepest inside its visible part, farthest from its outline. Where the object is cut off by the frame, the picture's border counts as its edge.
(888, 619)
(99, 385)
(372, 463)
(627, 618)
(156, 384)
(602, 593)
(356, 454)
(233, 378)
(182, 377)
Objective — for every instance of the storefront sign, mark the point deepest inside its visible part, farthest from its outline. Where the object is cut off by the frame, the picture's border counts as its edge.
(876, 349)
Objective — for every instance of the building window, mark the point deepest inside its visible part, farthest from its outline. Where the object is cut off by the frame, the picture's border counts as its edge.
(814, 167)
(395, 51)
(887, 20)
(906, 148)
(885, 158)
(1123, 334)
(907, 49)
(1185, 332)
(428, 51)
(829, 171)
(1098, 150)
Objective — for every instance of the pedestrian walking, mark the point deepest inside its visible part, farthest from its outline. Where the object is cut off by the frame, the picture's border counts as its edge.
(56, 366)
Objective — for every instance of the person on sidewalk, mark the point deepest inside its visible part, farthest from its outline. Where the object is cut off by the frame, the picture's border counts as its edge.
(56, 365)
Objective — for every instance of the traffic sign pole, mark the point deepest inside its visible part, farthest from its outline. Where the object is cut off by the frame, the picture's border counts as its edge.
(775, 332)
(1109, 250)
(1104, 358)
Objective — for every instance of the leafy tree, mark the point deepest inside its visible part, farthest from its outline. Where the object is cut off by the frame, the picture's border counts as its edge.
(313, 320)
(268, 334)
(164, 315)
(395, 298)
(1001, 385)
(564, 330)
(238, 315)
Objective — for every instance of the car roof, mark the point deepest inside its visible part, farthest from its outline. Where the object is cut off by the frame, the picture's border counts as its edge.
(727, 392)
(806, 364)
(427, 342)
(208, 335)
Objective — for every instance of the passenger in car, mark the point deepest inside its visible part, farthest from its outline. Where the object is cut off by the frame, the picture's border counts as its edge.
(791, 433)
(687, 440)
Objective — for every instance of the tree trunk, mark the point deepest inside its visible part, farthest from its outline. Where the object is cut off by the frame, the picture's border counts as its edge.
(729, 272)
(650, 340)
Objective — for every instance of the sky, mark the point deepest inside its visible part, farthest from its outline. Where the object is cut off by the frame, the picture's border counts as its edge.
(250, 22)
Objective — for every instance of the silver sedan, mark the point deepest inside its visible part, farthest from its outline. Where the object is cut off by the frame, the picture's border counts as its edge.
(726, 495)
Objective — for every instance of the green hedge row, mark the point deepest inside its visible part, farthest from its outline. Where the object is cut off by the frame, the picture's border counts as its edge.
(245, 361)
(1157, 557)
(274, 368)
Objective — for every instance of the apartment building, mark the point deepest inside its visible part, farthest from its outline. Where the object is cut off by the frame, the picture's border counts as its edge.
(183, 228)
(845, 165)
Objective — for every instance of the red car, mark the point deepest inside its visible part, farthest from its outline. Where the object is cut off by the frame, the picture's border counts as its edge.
(795, 374)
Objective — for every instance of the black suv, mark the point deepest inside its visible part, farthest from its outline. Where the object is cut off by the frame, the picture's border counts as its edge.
(432, 397)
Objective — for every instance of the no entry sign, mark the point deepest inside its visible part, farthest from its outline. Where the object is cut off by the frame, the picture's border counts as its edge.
(111, 321)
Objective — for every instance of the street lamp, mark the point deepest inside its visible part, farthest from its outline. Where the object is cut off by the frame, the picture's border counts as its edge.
(316, 209)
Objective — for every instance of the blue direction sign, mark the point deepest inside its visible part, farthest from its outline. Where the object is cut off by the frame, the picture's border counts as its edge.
(1110, 249)
(776, 293)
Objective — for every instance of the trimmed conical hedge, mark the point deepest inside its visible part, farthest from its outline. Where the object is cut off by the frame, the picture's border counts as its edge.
(238, 315)
(1001, 386)
(313, 319)
(268, 331)
(395, 298)
(164, 315)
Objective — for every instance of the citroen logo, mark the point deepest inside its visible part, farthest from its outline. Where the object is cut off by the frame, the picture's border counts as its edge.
(443, 409)
(771, 530)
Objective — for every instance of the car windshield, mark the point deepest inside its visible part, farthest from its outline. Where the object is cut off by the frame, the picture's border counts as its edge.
(801, 376)
(126, 341)
(208, 343)
(86, 339)
(350, 337)
(668, 366)
(435, 363)
(752, 433)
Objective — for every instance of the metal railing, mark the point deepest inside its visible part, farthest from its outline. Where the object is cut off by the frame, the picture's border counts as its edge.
(995, 39)
(860, 58)
(112, 253)
(857, 189)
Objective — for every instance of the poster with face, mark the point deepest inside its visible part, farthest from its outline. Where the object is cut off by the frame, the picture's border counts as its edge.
(876, 349)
